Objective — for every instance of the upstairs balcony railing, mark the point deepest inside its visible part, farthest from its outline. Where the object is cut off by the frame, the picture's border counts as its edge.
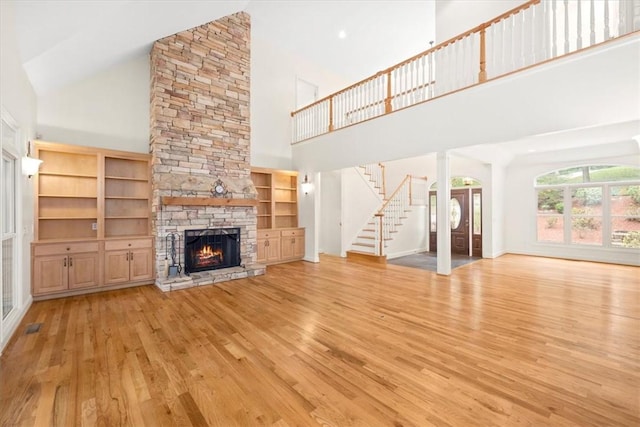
(535, 32)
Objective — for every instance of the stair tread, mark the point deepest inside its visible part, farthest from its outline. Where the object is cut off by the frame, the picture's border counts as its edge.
(366, 245)
(359, 252)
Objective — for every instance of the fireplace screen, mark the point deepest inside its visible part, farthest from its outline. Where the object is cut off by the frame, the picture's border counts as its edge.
(211, 249)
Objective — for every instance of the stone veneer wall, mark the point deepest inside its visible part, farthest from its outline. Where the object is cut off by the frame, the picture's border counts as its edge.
(200, 130)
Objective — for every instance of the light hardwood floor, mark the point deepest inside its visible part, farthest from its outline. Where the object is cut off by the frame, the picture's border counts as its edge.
(511, 341)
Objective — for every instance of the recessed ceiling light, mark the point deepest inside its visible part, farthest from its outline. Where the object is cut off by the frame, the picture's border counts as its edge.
(342, 34)
(531, 150)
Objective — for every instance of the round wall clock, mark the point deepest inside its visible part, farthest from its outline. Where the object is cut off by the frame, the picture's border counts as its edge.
(219, 188)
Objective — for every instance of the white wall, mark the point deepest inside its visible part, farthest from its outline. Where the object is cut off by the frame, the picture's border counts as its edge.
(19, 100)
(454, 17)
(273, 98)
(521, 205)
(107, 110)
(331, 215)
(413, 236)
(359, 203)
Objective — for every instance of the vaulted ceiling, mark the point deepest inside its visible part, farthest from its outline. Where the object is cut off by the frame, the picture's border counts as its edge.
(62, 41)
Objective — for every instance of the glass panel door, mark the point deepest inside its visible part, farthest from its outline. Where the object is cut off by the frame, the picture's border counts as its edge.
(8, 231)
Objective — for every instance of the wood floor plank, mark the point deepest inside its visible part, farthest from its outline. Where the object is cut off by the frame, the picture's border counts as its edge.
(513, 341)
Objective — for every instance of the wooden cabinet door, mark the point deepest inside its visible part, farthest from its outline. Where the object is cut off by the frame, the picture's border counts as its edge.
(298, 247)
(262, 250)
(50, 274)
(140, 264)
(287, 247)
(116, 267)
(273, 249)
(292, 244)
(83, 270)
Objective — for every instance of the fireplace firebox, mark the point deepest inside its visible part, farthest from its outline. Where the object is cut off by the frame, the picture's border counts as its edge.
(211, 249)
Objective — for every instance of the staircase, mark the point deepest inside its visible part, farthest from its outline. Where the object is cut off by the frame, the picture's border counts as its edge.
(376, 177)
(372, 240)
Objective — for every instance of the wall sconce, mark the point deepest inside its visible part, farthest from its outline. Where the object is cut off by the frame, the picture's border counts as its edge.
(306, 185)
(30, 165)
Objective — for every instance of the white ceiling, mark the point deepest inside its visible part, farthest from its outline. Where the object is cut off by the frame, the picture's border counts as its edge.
(61, 41)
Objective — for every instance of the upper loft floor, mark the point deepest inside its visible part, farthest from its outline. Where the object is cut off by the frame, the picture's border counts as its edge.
(546, 67)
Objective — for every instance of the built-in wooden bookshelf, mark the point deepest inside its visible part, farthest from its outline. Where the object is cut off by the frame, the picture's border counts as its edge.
(67, 202)
(85, 197)
(279, 238)
(262, 182)
(277, 197)
(85, 192)
(126, 197)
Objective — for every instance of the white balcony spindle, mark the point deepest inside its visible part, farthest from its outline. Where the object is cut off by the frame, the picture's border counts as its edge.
(607, 33)
(523, 36)
(622, 13)
(592, 23)
(579, 26)
(554, 24)
(566, 26)
(512, 45)
(430, 79)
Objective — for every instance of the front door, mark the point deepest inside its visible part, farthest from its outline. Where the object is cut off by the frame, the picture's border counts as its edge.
(461, 228)
(459, 222)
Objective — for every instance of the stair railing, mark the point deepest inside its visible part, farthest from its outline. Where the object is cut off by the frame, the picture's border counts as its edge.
(389, 216)
(376, 173)
(529, 34)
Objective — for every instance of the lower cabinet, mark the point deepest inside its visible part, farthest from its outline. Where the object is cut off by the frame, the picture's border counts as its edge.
(127, 261)
(280, 245)
(61, 267)
(292, 242)
(268, 246)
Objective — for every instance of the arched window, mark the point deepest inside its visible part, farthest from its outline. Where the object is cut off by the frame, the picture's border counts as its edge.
(597, 205)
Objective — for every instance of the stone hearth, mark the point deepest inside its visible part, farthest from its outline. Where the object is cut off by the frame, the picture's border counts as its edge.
(199, 137)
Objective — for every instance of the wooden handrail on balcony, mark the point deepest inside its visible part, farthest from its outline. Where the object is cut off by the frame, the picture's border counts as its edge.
(407, 79)
(419, 55)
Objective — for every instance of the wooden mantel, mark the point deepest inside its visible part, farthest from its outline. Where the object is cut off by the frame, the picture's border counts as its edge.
(207, 201)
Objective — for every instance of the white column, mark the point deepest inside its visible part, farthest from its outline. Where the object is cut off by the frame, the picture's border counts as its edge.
(444, 214)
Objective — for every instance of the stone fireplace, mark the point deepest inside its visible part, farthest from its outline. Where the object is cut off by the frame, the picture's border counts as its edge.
(199, 144)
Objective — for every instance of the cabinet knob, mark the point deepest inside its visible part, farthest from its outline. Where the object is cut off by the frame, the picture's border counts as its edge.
(129, 244)
(68, 249)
